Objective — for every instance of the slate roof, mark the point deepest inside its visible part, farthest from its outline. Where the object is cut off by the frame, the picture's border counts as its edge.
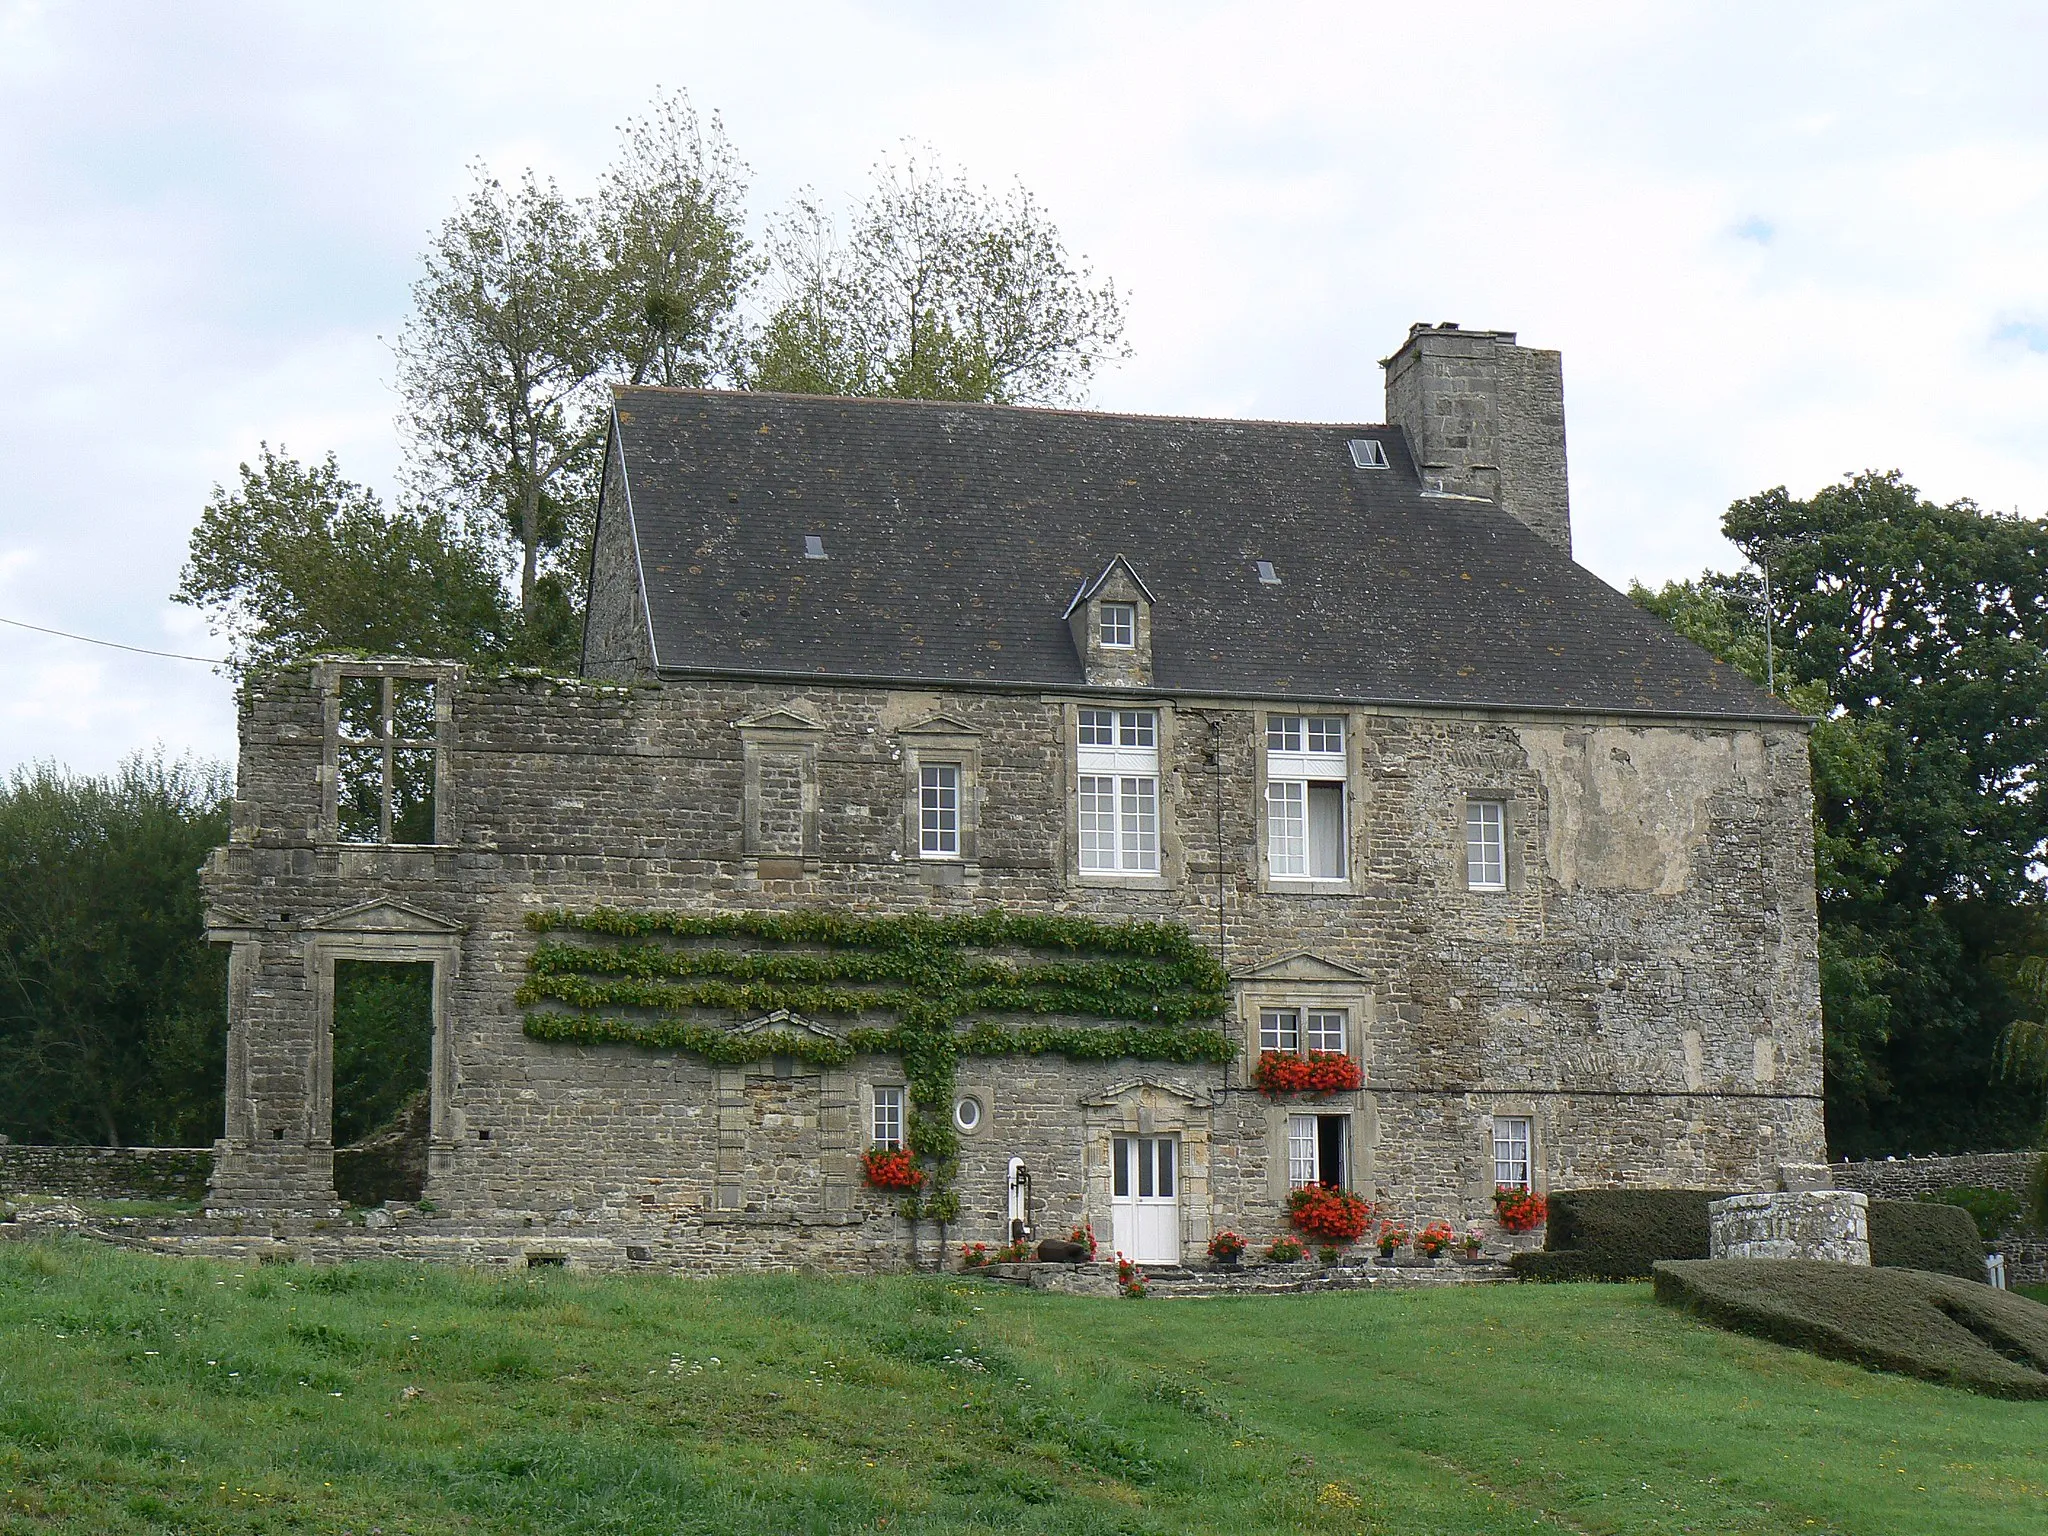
(956, 535)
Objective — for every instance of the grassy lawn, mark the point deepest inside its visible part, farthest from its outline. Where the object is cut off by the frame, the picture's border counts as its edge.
(141, 1394)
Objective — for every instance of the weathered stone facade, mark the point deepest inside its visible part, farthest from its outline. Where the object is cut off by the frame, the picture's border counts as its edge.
(1644, 990)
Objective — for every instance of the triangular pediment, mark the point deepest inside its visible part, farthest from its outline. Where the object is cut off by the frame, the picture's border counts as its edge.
(1117, 1093)
(939, 725)
(1117, 567)
(382, 915)
(783, 717)
(1301, 965)
(782, 1021)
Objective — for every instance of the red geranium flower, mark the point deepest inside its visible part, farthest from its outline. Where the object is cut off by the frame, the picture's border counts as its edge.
(1318, 1072)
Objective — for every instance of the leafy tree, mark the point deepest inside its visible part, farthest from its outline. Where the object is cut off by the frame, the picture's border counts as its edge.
(112, 1005)
(297, 559)
(1919, 634)
(938, 292)
(534, 302)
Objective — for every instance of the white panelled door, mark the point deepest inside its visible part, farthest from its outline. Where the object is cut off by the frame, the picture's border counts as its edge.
(1145, 1198)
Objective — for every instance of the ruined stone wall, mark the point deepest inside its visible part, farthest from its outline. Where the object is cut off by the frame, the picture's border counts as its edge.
(106, 1173)
(1905, 1178)
(1645, 990)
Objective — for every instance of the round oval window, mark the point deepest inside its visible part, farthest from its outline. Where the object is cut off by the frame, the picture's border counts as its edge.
(967, 1114)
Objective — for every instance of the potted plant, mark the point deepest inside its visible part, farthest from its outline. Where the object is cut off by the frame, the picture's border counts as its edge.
(1226, 1248)
(974, 1255)
(1323, 1210)
(1285, 1250)
(1084, 1234)
(1469, 1246)
(1018, 1252)
(1518, 1210)
(1390, 1239)
(891, 1168)
(1434, 1239)
(1281, 1072)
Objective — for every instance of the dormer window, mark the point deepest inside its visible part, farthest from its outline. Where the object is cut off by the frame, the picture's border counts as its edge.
(1118, 626)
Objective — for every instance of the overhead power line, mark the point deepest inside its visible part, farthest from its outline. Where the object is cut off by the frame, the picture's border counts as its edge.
(115, 645)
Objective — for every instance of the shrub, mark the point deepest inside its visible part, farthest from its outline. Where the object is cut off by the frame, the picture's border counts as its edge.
(1336, 1214)
(1617, 1234)
(1225, 1245)
(1912, 1234)
(1285, 1250)
(1991, 1209)
(1926, 1325)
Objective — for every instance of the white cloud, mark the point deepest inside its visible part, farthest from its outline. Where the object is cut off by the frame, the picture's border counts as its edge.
(1773, 244)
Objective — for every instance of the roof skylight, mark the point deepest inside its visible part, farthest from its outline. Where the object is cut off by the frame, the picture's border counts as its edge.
(1268, 577)
(1369, 453)
(814, 546)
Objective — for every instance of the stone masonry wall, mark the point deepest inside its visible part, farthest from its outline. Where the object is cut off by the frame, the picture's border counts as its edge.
(1903, 1178)
(1645, 990)
(106, 1173)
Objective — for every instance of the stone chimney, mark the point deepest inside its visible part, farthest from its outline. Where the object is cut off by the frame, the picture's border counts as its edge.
(1485, 417)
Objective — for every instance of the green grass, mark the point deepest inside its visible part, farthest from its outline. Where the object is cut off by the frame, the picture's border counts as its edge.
(144, 1394)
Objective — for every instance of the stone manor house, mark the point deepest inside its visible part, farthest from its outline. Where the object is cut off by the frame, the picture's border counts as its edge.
(1332, 700)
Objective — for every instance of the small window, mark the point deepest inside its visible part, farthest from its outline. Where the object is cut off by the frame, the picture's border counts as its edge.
(1486, 855)
(1368, 453)
(967, 1114)
(938, 810)
(1326, 1030)
(1098, 728)
(1280, 1030)
(1316, 1150)
(386, 754)
(1511, 1151)
(814, 546)
(1118, 626)
(888, 1127)
(1268, 577)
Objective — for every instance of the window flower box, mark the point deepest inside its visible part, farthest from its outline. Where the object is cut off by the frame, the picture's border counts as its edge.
(891, 1168)
(1281, 1072)
(1519, 1210)
(1324, 1211)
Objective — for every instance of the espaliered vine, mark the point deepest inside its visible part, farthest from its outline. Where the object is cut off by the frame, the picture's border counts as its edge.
(930, 975)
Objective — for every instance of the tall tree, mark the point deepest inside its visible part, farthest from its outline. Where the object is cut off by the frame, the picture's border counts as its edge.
(533, 302)
(501, 364)
(112, 1005)
(1918, 633)
(297, 559)
(938, 291)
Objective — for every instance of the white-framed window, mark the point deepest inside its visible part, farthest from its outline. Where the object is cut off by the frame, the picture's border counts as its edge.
(1306, 771)
(1317, 1152)
(1511, 1151)
(888, 1124)
(1280, 1030)
(1116, 626)
(1368, 453)
(1326, 1030)
(938, 810)
(1117, 773)
(1486, 845)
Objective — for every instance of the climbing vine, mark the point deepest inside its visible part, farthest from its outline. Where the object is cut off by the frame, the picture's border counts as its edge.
(927, 975)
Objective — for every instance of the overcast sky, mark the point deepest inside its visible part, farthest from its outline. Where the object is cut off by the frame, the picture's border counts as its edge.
(1775, 243)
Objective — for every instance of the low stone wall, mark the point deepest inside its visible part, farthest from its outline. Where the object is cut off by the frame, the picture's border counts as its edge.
(1828, 1224)
(106, 1173)
(1903, 1178)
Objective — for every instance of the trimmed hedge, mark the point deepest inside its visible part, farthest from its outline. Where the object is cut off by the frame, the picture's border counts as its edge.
(1619, 1234)
(1915, 1234)
(1931, 1326)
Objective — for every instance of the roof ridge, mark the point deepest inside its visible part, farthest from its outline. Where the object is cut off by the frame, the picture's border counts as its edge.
(986, 405)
